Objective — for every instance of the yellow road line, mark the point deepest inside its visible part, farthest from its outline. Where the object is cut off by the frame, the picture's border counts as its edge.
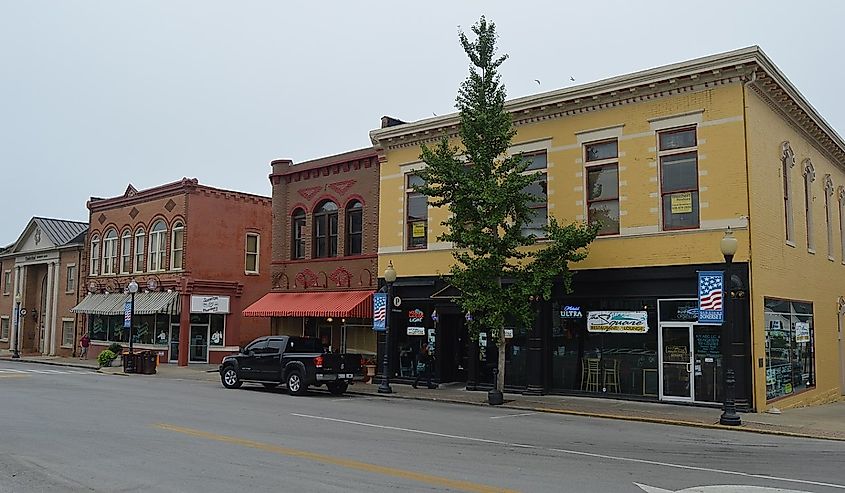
(337, 461)
(13, 376)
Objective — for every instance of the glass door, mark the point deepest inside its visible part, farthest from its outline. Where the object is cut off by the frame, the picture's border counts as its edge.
(199, 344)
(707, 370)
(173, 354)
(676, 364)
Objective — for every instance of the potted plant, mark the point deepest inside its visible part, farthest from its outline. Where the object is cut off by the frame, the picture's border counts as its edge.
(370, 365)
(105, 358)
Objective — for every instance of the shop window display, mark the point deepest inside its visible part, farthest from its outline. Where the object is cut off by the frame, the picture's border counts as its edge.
(790, 350)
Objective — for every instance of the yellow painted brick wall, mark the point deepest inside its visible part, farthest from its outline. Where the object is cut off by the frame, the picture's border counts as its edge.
(722, 185)
(792, 272)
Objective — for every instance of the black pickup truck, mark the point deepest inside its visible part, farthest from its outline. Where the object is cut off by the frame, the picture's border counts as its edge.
(298, 362)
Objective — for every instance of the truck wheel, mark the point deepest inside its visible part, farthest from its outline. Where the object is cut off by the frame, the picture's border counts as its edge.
(230, 378)
(270, 385)
(337, 388)
(295, 384)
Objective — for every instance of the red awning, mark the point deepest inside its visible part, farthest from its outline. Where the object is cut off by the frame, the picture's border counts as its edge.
(358, 304)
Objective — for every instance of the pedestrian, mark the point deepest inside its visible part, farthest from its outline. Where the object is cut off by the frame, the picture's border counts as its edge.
(425, 362)
(84, 342)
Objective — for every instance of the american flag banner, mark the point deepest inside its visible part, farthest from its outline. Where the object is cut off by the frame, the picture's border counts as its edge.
(379, 311)
(710, 287)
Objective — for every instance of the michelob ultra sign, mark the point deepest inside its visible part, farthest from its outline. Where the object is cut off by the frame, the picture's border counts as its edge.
(618, 322)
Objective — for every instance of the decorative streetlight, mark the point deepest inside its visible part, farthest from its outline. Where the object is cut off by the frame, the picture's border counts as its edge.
(729, 416)
(389, 277)
(133, 288)
(15, 352)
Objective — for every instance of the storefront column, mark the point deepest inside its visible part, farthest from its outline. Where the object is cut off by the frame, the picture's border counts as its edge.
(14, 323)
(534, 361)
(185, 330)
(55, 304)
(48, 311)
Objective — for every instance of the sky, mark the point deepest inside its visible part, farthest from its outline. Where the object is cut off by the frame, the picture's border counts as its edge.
(95, 95)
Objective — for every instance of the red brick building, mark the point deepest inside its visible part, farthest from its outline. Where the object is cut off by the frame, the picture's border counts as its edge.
(39, 274)
(325, 244)
(200, 256)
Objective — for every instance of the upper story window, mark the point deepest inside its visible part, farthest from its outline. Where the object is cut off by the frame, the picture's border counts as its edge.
(94, 265)
(157, 247)
(251, 255)
(139, 250)
(354, 228)
(297, 234)
(841, 194)
(110, 252)
(325, 230)
(678, 155)
(809, 178)
(125, 252)
(603, 185)
(416, 216)
(7, 280)
(787, 162)
(70, 287)
(539, 188)
(828, 213)
(177, 242)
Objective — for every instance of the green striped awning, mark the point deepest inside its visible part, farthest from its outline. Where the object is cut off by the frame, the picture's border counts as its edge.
(145, 303)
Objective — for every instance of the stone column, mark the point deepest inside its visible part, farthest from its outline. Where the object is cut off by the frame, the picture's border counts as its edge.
(47, 316)
(15, 325)
(55, 310)
(185, 330)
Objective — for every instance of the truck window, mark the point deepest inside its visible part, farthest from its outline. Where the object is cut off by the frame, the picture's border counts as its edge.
(304, 345)
(256, 346)
(275, 345)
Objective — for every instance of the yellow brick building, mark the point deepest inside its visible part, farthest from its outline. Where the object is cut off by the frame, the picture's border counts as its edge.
(666, 159)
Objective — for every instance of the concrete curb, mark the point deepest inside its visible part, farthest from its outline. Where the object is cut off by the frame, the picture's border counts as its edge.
(620, 417)
(52, 363)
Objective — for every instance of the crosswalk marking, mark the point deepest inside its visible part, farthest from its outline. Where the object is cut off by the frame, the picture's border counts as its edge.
(47, 372)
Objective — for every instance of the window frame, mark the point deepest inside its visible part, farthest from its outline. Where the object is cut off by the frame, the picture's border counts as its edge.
(177, 247)
(160, 247)
(139, 249)
(787, 163)
(72, 331)
(298, 236)
(7, 279)
(661, 154)
(408, 224)
(828, 214)
(590, 165)
(841, 194)
(70, 278)
(110, 252)
(353, 207)
(248, 253)
(809, 177)
(329, 240)
(125, 251)
(5, 327)
(94, 256)
(792, 314)
(538, 173)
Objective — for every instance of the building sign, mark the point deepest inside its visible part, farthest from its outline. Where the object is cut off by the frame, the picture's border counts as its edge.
(379, 311)
(418, 230)
(681, 203)
(416, 331)
(618, 322)
(687, 313)
(127, 314)
(802, 332)
(570, 311)
(508, 333)
(209, 304)
(710, 311)
(416, 316)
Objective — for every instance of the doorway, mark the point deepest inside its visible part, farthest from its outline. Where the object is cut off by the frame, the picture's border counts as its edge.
(690, 362)
(173, 354)
(198, 351)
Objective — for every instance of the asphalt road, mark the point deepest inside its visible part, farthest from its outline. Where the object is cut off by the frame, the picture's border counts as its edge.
(71, 430)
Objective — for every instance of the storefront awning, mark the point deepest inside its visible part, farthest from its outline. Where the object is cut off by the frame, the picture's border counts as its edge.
(112, 304)
(358, 304)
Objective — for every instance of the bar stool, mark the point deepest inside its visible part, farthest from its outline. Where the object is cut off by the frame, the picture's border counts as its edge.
(611, 376)
(591, 375)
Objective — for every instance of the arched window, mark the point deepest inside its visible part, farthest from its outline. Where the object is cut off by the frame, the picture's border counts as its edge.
(95, 256)
(809, 178)
(177, 240)
(139, 250)
(354, 228)
(157, 247)
(787, 161)
(125, 252)
(325, 230)
(297, 234)
(110, 252)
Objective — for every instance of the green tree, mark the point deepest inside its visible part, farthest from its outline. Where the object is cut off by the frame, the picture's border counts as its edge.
(499, 269)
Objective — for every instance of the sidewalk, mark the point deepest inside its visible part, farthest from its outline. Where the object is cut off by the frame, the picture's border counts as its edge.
(825, 422)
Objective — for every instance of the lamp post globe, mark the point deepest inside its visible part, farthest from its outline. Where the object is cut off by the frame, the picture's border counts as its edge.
(15, 353)
(729, 417)
(133, 288)
(389, 278)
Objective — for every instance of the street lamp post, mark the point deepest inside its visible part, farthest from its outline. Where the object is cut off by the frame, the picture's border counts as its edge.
(729, 416)
(133, 288)
(15, 352)
(389, 278)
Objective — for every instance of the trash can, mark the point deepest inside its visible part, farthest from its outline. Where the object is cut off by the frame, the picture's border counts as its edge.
(130, 362)
(147, 362)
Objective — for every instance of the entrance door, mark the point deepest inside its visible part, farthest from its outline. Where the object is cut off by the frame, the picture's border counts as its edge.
(173, 354)
(676, 364)
(198, 352)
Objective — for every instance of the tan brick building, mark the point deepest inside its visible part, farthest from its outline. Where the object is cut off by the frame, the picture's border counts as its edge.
(325, 236)
(199, 254)
(41, 272)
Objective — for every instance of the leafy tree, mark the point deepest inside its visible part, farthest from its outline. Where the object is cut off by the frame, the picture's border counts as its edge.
(499, 269)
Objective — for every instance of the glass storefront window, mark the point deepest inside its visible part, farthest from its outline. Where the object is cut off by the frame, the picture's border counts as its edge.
(790, 349)
(147, 329)
(218, 323)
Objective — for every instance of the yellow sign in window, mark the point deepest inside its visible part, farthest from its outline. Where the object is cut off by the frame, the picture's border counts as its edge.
(418, 230)
(682, 203)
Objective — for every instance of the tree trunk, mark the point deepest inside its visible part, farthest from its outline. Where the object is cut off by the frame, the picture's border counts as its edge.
(500, 381)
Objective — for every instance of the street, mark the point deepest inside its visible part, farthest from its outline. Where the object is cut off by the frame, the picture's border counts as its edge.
(75, 430)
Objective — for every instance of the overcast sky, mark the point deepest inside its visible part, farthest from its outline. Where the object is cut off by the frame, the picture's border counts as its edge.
(98, 94)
